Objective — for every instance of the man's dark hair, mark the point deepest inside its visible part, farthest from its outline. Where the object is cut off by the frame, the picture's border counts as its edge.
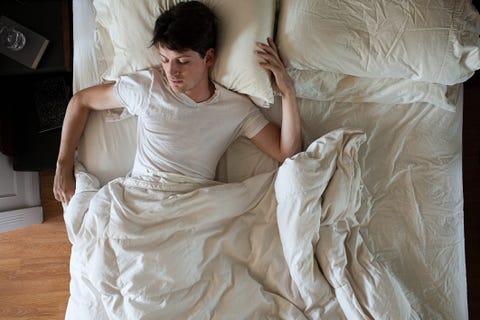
(187, 25)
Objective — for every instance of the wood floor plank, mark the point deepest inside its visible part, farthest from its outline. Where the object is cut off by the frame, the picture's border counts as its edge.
(44, 306)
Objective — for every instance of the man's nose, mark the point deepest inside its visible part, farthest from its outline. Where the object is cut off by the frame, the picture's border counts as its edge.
(173, 69)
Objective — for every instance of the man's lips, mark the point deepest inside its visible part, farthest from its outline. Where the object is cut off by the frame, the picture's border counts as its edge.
(176, 81)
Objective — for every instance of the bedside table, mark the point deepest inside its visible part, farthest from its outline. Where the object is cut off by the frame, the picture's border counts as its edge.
(34, 100)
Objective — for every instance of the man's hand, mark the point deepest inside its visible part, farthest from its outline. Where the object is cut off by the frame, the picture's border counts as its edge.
(274, 64)
(64, 183)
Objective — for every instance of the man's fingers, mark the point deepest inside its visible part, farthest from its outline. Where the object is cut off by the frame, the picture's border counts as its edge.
(59, 196)
(269, 67)
(274, 61)
(269, 50)
(56, 194)
(270, 53)
(63, 195)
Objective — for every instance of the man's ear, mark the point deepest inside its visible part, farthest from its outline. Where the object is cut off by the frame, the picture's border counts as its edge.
(210, 57)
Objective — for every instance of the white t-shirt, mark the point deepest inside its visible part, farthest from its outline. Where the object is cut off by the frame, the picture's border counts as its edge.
(179, 135)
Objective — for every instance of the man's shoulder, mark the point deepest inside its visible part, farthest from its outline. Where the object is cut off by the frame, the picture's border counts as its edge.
(140, 74)
(141, 79)
(133, 79)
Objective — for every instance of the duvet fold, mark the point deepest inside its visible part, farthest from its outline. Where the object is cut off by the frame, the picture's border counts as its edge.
(319, 193)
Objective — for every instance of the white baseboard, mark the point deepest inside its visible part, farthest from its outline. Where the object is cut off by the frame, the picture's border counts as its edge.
(14, 219)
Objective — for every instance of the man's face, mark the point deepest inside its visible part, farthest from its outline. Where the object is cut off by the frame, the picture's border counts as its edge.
(187, 71)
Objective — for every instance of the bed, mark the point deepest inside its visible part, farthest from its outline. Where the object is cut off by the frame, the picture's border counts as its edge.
(365, 223)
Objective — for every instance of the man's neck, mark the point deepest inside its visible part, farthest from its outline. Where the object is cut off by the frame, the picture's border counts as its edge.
(203, 94)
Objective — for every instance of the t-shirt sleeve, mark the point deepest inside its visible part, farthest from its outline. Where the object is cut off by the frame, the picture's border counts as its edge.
(133, 91)
(253, 123)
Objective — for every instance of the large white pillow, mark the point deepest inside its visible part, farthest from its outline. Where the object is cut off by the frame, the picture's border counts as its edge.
(435, 41)
(331, 86)
(129, 26)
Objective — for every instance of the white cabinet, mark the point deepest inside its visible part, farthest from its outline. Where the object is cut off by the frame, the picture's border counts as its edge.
(20, 204)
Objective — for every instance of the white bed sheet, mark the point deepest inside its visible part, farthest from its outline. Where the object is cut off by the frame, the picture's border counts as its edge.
(88, 62)
(411, 213)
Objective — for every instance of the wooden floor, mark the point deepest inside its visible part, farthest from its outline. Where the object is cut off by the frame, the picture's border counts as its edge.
(34, 265)
(34, 261)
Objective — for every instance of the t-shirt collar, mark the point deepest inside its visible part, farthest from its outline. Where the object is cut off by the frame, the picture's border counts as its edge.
(189, 101)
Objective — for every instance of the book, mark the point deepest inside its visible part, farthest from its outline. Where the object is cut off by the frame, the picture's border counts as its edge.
(33, 48)
(51, 99)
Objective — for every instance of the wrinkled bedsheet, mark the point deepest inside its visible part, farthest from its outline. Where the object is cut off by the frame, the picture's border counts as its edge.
(283, 244)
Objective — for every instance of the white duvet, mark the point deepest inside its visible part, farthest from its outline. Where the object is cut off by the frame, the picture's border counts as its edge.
(170, 247)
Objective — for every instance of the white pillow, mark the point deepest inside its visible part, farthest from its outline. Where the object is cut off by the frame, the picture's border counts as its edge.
(241, 24)
(434, 41)
(331, 86)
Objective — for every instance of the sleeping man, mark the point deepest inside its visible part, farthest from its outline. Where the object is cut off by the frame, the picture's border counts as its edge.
(185, 120)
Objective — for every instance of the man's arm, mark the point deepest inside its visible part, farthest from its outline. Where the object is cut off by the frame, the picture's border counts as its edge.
(284, 142)
(99, 97)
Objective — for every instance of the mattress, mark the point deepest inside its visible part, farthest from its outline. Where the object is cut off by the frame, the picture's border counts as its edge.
(395, 251)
